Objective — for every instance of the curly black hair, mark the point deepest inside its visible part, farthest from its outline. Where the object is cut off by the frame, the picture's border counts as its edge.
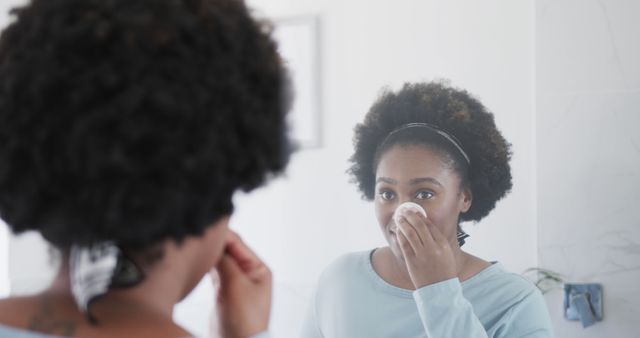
(455, 111)
(135, 121)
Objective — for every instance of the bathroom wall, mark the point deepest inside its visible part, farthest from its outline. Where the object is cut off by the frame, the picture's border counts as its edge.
(588, 155)
(303, 221)
(4, 260)
(5, 237)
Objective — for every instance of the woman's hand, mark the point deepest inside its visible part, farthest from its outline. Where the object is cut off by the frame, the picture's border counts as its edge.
(427, 252)
(244, 296)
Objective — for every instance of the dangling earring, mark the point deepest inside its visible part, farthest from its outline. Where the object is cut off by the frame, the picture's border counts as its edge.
(461, 236)
(95, 269)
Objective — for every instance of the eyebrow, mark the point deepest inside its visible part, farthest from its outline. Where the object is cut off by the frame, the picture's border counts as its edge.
(386, 180)
(412, 182)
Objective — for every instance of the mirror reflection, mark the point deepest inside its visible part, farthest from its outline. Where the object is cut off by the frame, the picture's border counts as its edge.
(509, 126)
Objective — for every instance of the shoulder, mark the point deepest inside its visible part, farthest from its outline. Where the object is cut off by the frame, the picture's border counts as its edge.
(346, 264)
(519, 300)
(504, 286)
(14, 314)
(344, 271)
(349, 259)
(17, 313)
(341, 284)
(14, 310)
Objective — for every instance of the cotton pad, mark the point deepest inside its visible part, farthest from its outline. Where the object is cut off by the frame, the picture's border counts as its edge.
(403, 208)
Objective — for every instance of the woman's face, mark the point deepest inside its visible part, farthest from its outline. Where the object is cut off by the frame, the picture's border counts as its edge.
(418, 174)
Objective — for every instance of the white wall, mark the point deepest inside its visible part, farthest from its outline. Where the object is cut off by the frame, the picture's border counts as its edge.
(302, 222)
(4, 260)
(5, 236)
(486, 47)
(28, 267)
(31, 264)
(588, 145)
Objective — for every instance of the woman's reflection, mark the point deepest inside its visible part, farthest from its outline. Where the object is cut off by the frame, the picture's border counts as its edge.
(438, 147)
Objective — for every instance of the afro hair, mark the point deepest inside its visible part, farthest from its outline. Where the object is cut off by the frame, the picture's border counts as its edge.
(135, 121)
(455, 111)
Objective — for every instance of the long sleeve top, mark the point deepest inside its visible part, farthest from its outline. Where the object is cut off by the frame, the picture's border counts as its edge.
(353, 301)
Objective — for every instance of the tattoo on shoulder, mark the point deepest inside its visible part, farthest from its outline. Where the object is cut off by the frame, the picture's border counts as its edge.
(45, 321)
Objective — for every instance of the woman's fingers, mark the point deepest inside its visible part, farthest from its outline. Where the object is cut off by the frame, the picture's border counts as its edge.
(237, 248)
(228, 270)
(246, 259)
(244, 296)
(410, 233)
(428, 255)
(437, 235)
(405, 246)
(420, 224)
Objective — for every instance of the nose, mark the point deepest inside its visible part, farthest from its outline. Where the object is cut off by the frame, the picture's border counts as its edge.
(400, 200)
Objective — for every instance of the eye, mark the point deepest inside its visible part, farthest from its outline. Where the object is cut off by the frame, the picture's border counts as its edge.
(424, 195)
(387, 195)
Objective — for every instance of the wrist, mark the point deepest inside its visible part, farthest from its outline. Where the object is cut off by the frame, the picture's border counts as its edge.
(433, 279)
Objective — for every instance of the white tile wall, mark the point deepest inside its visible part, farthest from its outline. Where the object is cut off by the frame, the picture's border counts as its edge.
(588, 150)
(4, 260)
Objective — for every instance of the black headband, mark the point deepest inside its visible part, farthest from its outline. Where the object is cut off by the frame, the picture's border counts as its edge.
(433, 128)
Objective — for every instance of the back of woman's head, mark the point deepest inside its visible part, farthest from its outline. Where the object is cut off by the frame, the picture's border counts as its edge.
(135, 121)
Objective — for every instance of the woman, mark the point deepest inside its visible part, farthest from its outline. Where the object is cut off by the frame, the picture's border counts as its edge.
(438, 147)
(125, 128)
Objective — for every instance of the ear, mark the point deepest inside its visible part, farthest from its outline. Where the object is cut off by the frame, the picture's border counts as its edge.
(214, 239)
(466, 199)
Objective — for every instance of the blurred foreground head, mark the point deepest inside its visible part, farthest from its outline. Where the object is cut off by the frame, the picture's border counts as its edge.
(135, 121)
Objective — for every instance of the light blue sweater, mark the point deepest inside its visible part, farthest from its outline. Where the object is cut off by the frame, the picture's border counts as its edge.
(353, 301)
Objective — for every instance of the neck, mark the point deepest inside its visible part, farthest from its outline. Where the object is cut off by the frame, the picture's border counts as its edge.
(155, 296)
